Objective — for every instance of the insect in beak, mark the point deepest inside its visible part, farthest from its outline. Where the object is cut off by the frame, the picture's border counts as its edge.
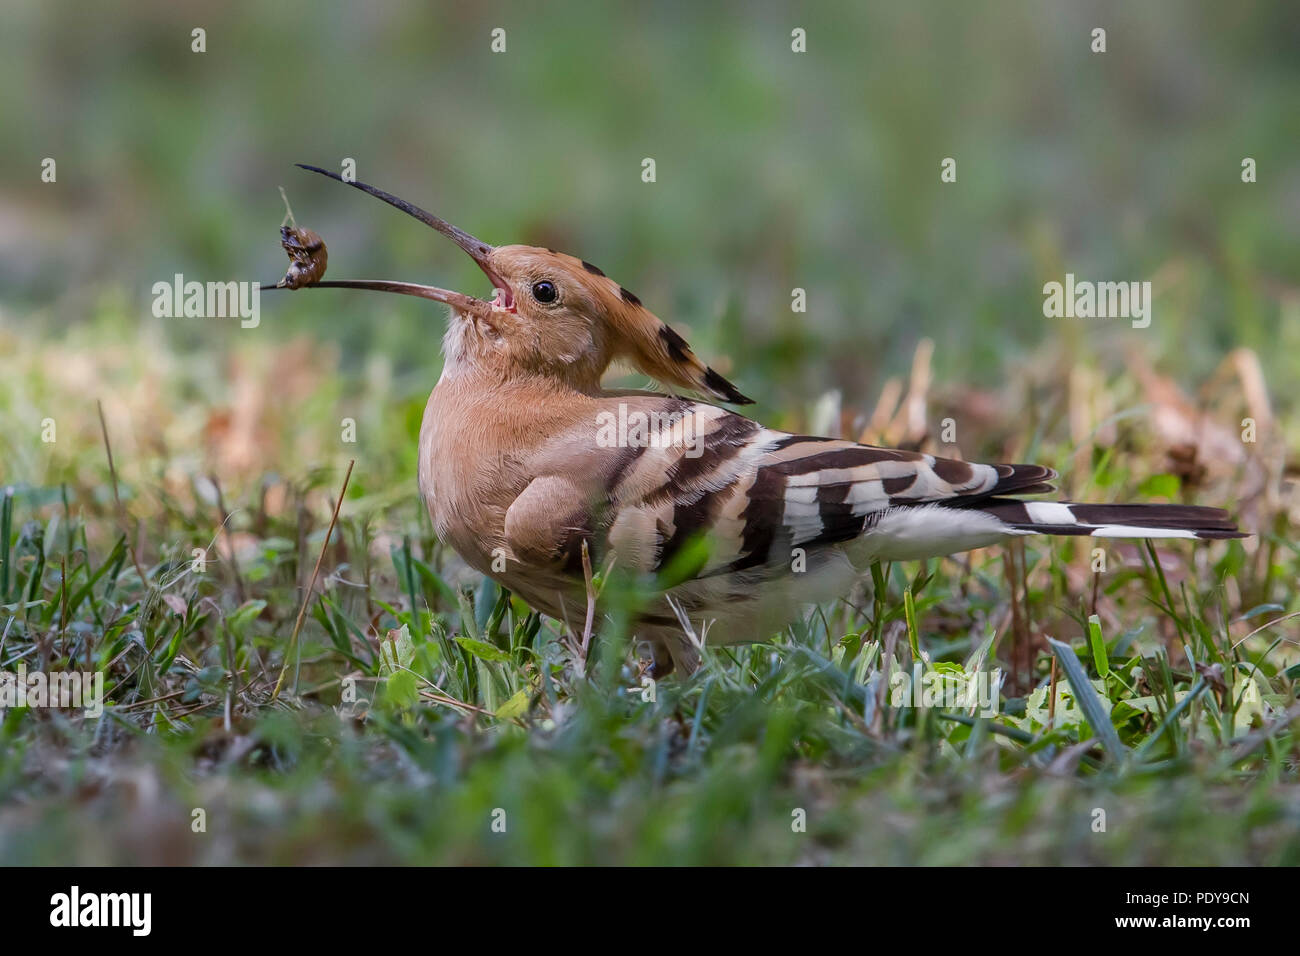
(476, 249)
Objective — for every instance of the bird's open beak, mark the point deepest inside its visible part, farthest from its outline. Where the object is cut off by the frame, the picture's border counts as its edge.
(476, 249)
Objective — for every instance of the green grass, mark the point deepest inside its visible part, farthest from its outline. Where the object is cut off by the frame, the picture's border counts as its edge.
(1164, 718)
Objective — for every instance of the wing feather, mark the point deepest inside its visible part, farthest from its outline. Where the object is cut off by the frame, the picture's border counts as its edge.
(758, 493)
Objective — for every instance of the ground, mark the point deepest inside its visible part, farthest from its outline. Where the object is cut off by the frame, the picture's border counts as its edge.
(491, 745)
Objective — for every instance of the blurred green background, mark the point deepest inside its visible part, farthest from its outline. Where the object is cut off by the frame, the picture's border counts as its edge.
(775, 170)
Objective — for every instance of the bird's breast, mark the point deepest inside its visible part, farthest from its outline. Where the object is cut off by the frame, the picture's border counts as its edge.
(467, 475)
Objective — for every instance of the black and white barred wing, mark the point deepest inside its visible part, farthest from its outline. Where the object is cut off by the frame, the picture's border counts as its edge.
(761, 497)
(757, 495)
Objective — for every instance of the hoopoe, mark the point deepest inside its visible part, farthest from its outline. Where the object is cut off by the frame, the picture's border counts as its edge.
(524, 457)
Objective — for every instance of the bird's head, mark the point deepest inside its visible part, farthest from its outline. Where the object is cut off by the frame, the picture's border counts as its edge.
(551, 314)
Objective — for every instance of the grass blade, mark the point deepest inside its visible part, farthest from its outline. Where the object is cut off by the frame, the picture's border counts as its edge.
(1086, 696)
(1098, 642)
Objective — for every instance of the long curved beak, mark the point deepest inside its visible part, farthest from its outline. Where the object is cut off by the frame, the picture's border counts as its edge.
(476, 249)
(458, 301)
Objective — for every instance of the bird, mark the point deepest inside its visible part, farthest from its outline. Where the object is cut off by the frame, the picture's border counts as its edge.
(532, 470)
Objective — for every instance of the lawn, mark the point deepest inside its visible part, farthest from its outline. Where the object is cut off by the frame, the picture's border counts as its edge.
(426, 716)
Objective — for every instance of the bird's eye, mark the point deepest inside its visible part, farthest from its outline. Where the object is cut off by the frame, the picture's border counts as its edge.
(545, 291)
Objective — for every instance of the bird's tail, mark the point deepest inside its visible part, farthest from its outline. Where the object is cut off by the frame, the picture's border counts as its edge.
(1112, 521)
